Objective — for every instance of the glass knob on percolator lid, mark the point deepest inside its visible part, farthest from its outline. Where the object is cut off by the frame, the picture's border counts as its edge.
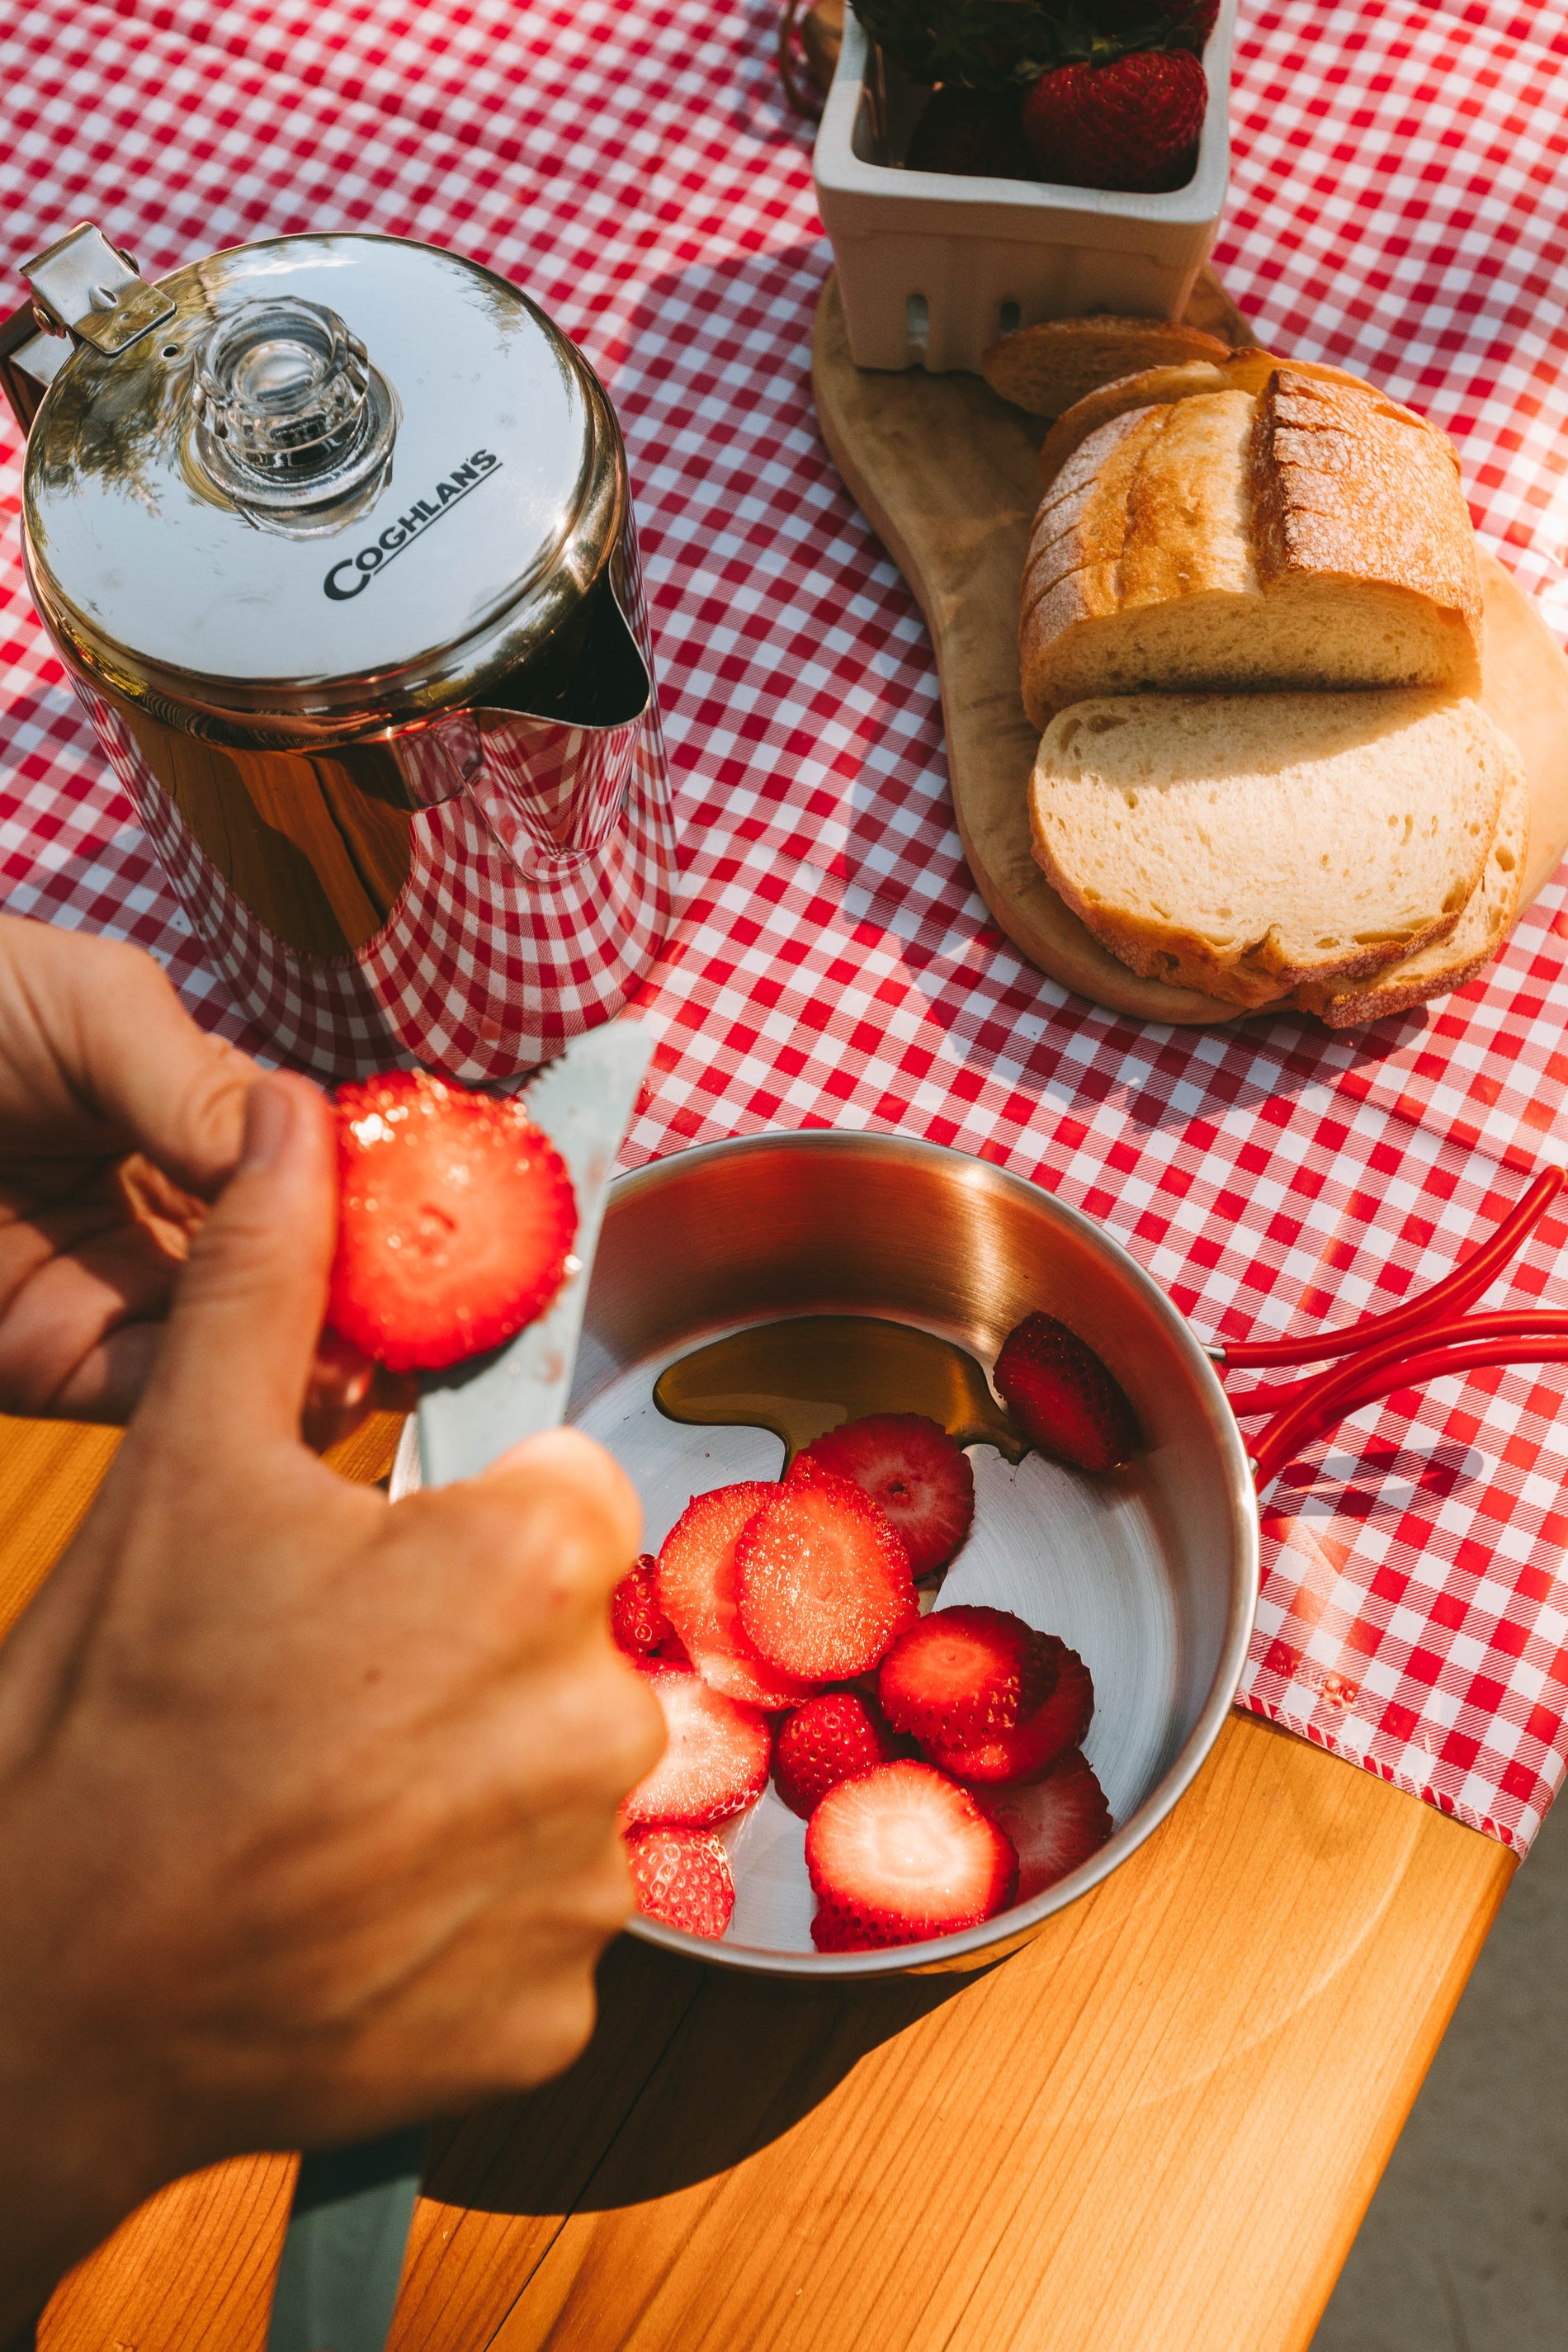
(289, 412)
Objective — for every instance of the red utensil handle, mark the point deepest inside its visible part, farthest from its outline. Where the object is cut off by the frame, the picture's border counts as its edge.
(1336, 1394)
(1469, 1278)
(1517, 1327)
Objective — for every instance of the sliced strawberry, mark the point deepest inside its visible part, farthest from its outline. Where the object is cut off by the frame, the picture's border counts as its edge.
(697, 1587)
(637, 1620)
(964, 1674)
(1055, 1823)
(912, 1470)
(456, 1217)
(1062, 1397)
(829, 1739)
(716, 1759)
(1003, 1757)
(683, 1876)
(901, 1854)
(823, 1581)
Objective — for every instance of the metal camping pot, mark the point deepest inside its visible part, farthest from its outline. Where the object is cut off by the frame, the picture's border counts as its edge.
(334, 537)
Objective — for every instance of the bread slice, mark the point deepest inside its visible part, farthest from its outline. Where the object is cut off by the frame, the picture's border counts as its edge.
(1048, 367)
(1470, 947)
(1247, 844)
(1308, 535)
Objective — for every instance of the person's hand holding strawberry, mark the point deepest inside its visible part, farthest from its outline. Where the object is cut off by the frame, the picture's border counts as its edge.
(308, 1801)
(119, 1119)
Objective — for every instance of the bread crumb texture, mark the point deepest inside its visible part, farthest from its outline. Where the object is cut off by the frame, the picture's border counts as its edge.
(1250, 844)
(1470, 947)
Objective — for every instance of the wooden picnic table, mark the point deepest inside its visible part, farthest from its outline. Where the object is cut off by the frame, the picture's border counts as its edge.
(1155, 2129)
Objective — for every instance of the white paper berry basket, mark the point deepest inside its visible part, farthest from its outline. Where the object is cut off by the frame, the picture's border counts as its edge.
(935, 266)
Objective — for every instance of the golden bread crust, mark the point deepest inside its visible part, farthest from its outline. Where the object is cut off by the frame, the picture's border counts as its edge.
(1348, 483)
(1050, 367)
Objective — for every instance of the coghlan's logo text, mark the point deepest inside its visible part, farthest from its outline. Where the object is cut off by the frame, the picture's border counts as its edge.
(356, 572)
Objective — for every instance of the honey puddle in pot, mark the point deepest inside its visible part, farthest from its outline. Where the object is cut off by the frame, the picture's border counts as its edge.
(808, 1374)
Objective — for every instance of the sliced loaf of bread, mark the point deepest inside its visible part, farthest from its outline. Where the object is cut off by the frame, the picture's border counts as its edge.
(1247, 844)
(1308, 534)
(1437, 970)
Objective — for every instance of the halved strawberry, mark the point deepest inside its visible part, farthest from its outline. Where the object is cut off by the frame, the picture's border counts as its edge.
(638, 1621)
(1062, 1397)
(1003, 1757)
(912, 1470)
(964, 1674)
(683, 1877)
(697, 1587)
(822, 1580)
(829, 1739)
(1055, 1823)
(715, 1761)
(456, 1217)
(901, 1854)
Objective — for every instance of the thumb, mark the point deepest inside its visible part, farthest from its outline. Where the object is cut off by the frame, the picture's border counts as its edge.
(247, 1312)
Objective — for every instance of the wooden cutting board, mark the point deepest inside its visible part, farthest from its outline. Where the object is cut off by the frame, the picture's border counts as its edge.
(945, 473)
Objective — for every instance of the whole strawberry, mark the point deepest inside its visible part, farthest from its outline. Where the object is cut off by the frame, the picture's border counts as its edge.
(1132, 122)
(831, 1738)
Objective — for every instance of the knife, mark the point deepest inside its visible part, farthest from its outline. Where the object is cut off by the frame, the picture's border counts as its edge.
(348, 2228)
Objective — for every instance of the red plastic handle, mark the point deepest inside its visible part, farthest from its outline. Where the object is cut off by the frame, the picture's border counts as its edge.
(1469, 1278)
(1516, 1327)
(1334, 1395)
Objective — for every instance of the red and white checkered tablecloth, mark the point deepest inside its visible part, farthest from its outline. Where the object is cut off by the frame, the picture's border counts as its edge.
(1398, 206)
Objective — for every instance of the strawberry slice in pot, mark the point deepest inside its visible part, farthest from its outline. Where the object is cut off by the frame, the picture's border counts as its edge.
(963, 1675)
(697, 1590)
(829, 1739)
(823, 1581)
(1055, 1823)
(1003, 1757)
(456, 1218)
(912, 1470)
(1062, 1397)
(637, 1622)
(902, 1853)
(715, 1761)
(683, 1877)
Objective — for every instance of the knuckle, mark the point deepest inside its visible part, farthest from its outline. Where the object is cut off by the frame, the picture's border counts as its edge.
(573, 1506)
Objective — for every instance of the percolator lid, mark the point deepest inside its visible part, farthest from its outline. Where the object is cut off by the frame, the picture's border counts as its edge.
(342, 479)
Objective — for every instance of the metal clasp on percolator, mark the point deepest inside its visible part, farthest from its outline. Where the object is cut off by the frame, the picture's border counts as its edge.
(86, 288)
